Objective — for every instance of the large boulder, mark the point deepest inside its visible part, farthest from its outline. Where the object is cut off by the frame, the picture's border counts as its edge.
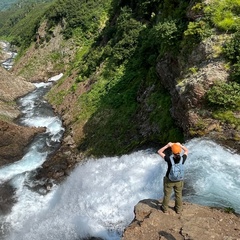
(14, 140)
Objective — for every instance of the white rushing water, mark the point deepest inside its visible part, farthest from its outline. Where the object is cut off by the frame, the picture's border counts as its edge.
(9, 55)
(36, 112)
(98, 198)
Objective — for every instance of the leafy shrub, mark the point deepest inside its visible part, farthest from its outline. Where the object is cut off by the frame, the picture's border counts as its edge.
(227, 116)
(224, 14)
(164, 35)
(232, 53)
(225, 95)
(125, 40)
(89, 16)
(232, 48)
(197, 31)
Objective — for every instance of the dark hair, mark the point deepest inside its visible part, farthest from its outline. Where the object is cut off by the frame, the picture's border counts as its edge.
(177, 157)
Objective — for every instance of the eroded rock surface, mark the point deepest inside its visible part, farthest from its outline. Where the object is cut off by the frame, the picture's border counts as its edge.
(195, 222)
(13, 141)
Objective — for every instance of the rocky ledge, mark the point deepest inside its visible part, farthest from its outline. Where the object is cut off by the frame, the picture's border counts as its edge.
(14, 139)
(195, 222)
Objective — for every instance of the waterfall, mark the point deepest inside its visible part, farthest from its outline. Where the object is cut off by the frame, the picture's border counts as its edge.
(98, 198)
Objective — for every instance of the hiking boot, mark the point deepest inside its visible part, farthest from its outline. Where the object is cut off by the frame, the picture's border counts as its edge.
(178, 211)
(163, 210)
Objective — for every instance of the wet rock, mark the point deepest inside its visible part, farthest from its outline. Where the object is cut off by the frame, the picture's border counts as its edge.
(7, 198)
(13, 142)
(59, 165)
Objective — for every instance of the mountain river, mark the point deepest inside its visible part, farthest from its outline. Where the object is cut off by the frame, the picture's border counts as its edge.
(98, 197)
(9, 55)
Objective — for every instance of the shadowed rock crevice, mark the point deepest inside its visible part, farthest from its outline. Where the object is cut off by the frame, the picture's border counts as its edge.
(7, 198)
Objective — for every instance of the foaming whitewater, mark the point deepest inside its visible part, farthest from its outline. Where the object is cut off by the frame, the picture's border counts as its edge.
(213, 175)
(10, 55)
(38, 113)
(98, 198)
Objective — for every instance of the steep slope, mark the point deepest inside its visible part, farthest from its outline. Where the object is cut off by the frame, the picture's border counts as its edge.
(117, 92)
(46, 58)
(204, 68)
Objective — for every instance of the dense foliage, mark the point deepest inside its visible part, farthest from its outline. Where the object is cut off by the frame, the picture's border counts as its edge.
(232, 53)
(119, 44)
(125, 55)
(19, 23)
(226, 95)
(87, 17)
(224, 14)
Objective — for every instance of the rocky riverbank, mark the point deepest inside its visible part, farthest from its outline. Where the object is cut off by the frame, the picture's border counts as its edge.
(195, 222)
(14, 138)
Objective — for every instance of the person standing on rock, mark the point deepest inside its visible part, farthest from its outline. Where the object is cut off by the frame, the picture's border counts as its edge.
(173, 179)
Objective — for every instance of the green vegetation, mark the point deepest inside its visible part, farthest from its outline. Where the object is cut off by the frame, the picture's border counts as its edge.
(83, 18)
(225, 95)
(119, 44)
(224, 98)
(224, 14)
(7, 4)
(228, 117)
(21, 21)
(229, 210)
(120, 66)
(232, 53)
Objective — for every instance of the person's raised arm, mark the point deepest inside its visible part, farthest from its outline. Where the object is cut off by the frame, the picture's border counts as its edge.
(161, 150)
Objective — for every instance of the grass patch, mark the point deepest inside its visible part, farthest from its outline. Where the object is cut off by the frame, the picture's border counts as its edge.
(227, 117)
(56, 99)
(229, 210)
